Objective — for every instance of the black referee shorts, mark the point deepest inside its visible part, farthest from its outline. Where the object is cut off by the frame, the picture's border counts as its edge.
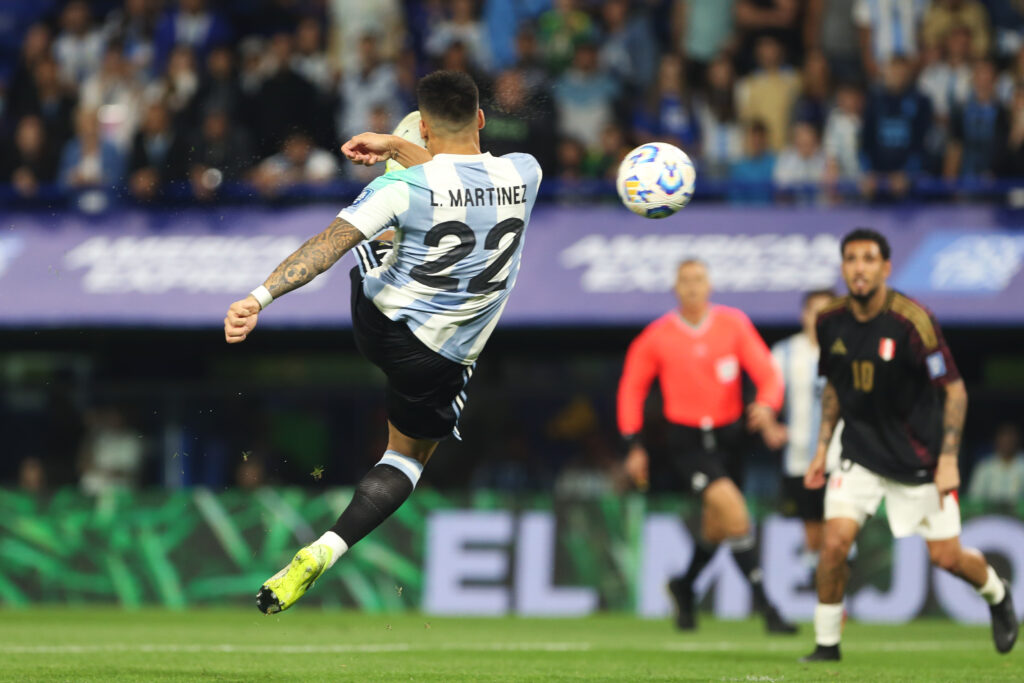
(425, 391)
(801, 502)
(701, 456)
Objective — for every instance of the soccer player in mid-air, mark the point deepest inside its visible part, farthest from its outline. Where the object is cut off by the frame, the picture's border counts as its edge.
(423, 306)
(892, 380)
(697, 353)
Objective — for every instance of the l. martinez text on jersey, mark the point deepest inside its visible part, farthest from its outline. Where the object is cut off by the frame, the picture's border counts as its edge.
(481, 196)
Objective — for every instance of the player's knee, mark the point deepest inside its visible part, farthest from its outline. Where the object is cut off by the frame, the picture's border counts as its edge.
(834, 549)
(945, 557)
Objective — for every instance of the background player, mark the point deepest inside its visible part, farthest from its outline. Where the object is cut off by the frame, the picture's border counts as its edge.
(797, 358)
(886, 362)
(697, 353)
(422, 308)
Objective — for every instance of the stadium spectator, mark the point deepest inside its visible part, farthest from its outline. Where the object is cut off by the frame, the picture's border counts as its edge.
(310, 61)
(668, 115)
(112, 453)
(627, 51)
(775, 19)
(285, 101)
(604, 162)
(220, 152)
(219, 88)
(999, 478)
(1012, 79)
(193, 24)
(571, 155)
(1007, 20)
(946, 77)
(701, 31)
(943, 15)
(79, 46)
(298, 163)
(178, 87)
(978, 129)
(115, 93)
(51, 101)
(35, 47)
(529, 62)
(887, 28)
(32, 476)
(31, 161)
(750, 178)
(721, 132)
(515, 123)
(134, 26)
(800, 168)
(769, 93)
(351, 20)
(842, 135)
(585, 97)
(814, 103)
(829, 27)
(1014, 161)
(462, 26)
(158, 154)
(896, 124)
(369, 83)
(560, 31)
(89, 161)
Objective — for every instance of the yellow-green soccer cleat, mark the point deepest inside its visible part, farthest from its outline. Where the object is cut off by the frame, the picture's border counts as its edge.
(283, 589)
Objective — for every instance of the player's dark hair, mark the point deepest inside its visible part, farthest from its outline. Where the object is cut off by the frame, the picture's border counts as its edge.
(448, 97)
(866, 235)
(815, 293)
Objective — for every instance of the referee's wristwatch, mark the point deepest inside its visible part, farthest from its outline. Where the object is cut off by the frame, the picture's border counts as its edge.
(630, 440)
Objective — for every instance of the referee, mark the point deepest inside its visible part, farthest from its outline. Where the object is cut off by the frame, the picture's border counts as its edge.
(697, 352)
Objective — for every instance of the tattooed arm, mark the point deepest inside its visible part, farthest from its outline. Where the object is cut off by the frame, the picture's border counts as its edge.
(947, 472)
(815, 476)
(319, 253)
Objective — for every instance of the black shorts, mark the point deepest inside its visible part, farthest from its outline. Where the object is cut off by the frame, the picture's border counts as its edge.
(800, 502)
(702, 456)
(425, 390)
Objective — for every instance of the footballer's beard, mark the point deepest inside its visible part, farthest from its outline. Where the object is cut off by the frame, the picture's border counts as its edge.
(865, 297)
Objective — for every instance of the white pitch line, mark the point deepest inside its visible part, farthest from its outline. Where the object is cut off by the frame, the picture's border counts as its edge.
(373, 648)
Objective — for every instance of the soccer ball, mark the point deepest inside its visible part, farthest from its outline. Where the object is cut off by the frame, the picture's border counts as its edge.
(408, 129)
(656, 180)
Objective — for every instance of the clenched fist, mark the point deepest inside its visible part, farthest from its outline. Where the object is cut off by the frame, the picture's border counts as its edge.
(241, 319)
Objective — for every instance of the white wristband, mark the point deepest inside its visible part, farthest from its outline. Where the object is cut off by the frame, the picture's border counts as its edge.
(262, 295)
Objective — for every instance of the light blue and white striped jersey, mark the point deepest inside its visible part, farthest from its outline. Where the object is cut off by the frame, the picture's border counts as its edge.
(798, 360)
(459, 225)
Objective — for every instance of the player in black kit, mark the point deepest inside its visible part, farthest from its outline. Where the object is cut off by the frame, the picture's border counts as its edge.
(892, 380)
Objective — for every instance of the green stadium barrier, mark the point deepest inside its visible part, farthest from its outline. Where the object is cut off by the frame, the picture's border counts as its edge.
(482, 552)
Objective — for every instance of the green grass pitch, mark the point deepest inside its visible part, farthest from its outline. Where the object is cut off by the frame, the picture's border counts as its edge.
(103, 644)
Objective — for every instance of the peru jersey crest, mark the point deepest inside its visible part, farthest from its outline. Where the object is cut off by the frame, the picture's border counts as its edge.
(886, 348)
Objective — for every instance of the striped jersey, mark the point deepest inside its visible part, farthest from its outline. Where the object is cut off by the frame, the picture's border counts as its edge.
(459, 223)
(797, 357)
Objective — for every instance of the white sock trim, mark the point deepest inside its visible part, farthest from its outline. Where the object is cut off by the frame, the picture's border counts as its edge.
(828, 623)
(993, 591)
(410, 467)
(335, 543)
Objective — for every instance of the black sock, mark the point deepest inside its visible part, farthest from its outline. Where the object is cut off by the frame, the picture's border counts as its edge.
(702, 554)
(379, 494)
(744, 551)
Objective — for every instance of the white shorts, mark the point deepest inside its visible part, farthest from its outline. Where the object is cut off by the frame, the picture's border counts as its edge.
(854, 492)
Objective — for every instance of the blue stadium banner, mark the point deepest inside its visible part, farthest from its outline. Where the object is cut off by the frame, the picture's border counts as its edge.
(593, 265)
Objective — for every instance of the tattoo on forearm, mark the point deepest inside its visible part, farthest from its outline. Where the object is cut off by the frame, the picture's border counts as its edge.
(319, 253)
(829, 414)
(953, 417)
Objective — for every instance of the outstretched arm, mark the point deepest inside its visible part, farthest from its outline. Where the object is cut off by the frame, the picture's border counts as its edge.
(319, 253)
(372, 148)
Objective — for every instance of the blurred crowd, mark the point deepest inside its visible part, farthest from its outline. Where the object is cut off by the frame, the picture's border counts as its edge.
(145, 98)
